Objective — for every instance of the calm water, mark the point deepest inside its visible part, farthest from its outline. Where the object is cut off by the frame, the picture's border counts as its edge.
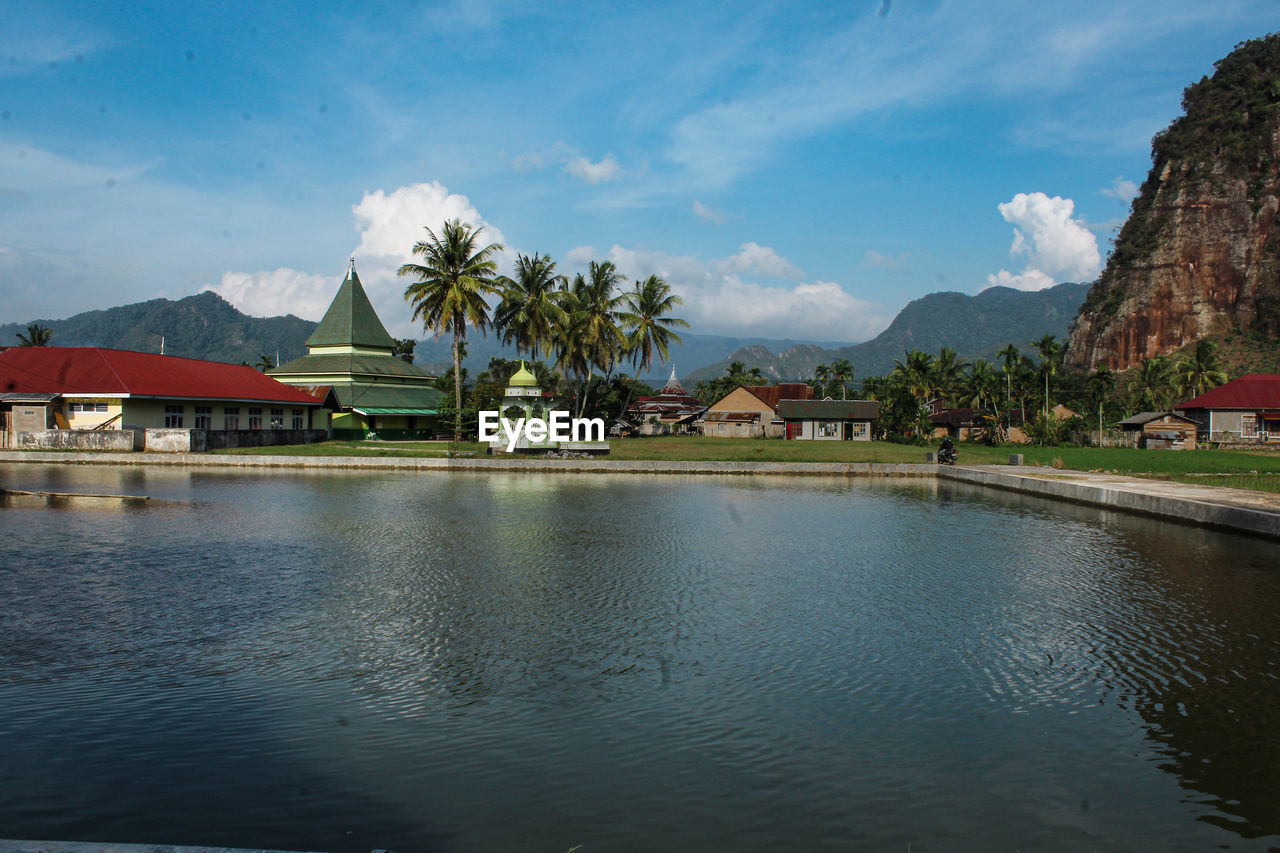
(438, 662)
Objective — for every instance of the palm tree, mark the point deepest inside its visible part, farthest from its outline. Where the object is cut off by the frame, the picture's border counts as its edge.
(36, 336)
(842, 370)
(645, 323)
(1101, 383)
(593, 338)
(1009, 355)
(450, 290)
(918, 375)
(947, 373)
(822, 378)
(646, 327)
(264, 362)
(1150, 385)
(1200, 371)
(1051, 352)
(532, 306)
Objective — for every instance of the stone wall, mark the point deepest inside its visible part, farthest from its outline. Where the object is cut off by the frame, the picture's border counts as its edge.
(200, 440)
(80, 439)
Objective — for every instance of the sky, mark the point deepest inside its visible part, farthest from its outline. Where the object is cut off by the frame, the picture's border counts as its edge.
(793, 170)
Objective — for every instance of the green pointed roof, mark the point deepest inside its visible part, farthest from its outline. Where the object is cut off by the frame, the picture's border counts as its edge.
(351, 320)
(522, 377)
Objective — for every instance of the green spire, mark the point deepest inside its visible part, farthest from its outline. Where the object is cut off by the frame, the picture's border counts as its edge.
(351, 320)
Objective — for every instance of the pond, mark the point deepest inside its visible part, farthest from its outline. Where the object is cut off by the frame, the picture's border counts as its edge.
(480, 662)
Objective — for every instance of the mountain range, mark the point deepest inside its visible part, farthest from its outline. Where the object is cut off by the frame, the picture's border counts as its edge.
(207, 326)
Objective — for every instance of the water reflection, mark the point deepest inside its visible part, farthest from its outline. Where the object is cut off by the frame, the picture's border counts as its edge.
(479, 662)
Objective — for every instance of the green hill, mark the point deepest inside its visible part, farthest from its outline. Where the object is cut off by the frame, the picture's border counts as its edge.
(974, 326)
(201, 326)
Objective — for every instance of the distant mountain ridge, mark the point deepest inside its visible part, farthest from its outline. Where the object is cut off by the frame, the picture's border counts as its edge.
(207, 326)
(974, 326)
(201, 326)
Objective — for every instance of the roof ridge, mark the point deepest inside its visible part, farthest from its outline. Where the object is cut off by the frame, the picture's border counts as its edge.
(113, 370)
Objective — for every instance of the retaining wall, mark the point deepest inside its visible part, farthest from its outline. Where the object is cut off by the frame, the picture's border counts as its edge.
(80, 439)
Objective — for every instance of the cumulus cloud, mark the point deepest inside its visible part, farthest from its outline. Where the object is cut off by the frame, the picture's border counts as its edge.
(1122, 190)
(389, 225)
(711, 214)
(718, 300)
(1058, 246)
(277, 292)
(593, 173)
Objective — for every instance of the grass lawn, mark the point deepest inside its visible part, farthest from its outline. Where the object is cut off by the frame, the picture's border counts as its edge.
(1217, 467)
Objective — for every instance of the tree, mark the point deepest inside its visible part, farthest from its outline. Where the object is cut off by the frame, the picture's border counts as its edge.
(646, 326)
(592, 337)
(1200, 371)
(450, 290)
(1051, 354)
(948, 372)
(36, 336)
(821, 378)
(1009, 356)
(1150, 384)
(404, 349)
(264, 363)
(842, 372)
(918, 375)
(1101, 383)
(532, 307)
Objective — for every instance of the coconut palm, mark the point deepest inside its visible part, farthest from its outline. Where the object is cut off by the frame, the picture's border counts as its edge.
(821, 378)
(948, 373)
(842, 372)
(1151, 383)
(36, 336)
(1101, 383)
(917, 374)
(645, 324)
(1200, 371)
(1009, 356)
(1051, 353)
(592, 337)
(532, 306)
(450, 290)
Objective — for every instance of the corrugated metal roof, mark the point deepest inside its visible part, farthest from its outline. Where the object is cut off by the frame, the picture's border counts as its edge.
(832, 410)
(348, 364)
(95, 370)
(733, 417)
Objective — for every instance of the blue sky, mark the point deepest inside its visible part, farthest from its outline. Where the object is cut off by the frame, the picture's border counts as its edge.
(794, 169)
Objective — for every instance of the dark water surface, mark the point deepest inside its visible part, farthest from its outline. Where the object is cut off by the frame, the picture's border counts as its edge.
(442, 662)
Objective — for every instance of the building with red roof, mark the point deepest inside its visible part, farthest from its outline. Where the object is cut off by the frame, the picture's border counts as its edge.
(671, 410)
(751, 411)
(94, 388)
(1246, 408)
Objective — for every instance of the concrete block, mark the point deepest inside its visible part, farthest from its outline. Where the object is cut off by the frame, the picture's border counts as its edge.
(1015, 458)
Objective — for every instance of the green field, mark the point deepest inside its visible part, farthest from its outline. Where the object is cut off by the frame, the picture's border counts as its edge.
(1233, 468)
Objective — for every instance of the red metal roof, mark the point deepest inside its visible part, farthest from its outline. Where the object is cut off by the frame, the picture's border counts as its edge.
(94, 370)
(1251, 391)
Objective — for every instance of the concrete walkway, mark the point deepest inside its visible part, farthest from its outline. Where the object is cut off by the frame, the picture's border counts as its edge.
(1227, 509)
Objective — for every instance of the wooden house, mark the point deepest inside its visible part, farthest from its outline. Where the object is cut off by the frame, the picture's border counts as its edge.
(1161, 430)
(751, 411)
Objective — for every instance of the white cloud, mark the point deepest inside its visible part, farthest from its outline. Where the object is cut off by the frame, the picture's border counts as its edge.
(389, 225)
(593, 173)
(1122, 190)
(531, 162)
(1029, 279)
(711, 214)
(717, 300)
(752, 257)
(282, 291)
(1058, 247)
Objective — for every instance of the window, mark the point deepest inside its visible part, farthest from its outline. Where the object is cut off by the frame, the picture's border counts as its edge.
(277, 418)
(204, 417)
(88, 408)
(297, 419)
(828, 429)
(231, 417)
(859, 429)
(255, 419)
(173, 417)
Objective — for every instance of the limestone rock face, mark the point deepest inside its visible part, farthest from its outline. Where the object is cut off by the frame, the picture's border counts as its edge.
(1199, 253)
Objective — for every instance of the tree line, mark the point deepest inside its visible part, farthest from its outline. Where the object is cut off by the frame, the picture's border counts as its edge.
(582, 324)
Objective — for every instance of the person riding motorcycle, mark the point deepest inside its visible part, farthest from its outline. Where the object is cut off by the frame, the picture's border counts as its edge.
(946, 452)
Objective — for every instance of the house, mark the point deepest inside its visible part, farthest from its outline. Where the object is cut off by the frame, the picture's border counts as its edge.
(751, 411)
(351, 353)
(1161, 430)
(829, 420)
(80, 391)
(1244, 409)
(671, 410)
(965, 424)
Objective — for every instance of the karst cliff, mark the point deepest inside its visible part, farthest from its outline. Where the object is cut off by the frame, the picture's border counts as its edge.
(1200, 252)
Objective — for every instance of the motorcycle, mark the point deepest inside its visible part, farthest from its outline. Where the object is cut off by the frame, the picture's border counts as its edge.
(947, 455)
